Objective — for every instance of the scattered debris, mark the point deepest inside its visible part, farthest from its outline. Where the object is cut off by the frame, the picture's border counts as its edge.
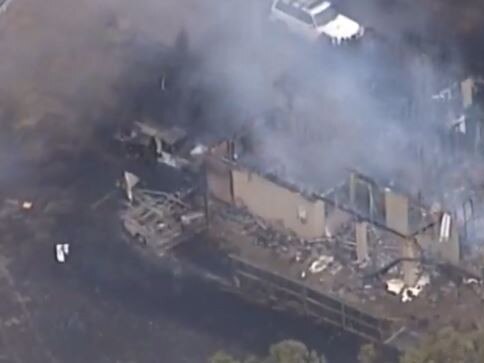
(471, 281)
(189, 218)
(321, 264)
(445, 227)
(261, 224)
(27, 205)
(198, 150)
(459, 124)
(152, 141)
(443, 95)
(395, 286)
(409, 293)
(22, 205)
(158, 219)
(129, 182)
(316, 240)
(168, 159)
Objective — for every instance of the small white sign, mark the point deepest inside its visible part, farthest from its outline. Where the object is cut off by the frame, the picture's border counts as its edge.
(61, 252)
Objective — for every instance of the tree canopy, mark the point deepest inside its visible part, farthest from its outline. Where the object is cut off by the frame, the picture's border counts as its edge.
(286, 351)
(446, 346)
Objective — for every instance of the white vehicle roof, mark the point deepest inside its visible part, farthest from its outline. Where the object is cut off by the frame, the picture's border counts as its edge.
(318, 6)
(325, 18)
(310, 6)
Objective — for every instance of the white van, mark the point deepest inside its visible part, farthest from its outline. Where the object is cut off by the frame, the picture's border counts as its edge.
(315, 18)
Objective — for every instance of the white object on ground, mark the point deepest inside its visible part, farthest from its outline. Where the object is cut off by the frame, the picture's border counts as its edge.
(168, 159)
(470, 281)
(61, 252)
(409, 293)
(321, 264)
(395, 286)
(191, 217)
(27, 205)
(445, 226)
(198, 150)
(130, 180)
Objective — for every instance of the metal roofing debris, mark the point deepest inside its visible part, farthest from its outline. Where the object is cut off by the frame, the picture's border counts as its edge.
(130, 181)
(170, 135)
(321, 264)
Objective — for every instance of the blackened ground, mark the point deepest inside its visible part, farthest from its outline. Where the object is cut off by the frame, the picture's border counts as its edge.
(109, 304)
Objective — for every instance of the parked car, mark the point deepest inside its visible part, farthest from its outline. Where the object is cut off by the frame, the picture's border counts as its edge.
(315, 19)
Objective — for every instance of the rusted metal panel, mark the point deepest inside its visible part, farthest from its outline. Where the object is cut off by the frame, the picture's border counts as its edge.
(279, 205)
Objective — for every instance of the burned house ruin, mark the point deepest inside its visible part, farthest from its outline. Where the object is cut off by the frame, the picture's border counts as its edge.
(356, 223)
(368, 257)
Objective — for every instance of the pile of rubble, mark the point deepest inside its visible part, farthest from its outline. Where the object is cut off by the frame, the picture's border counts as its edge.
(324, 258)
(158, 219)
(313, 256)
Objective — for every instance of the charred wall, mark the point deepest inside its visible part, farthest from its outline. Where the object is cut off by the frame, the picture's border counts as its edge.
(279, 205)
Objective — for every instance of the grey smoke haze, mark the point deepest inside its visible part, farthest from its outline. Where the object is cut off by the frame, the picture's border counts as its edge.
(67, 65)
(337, 121)
(63, 67)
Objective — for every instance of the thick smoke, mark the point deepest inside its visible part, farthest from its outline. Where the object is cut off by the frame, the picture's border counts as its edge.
(366, 106)
(69, 66)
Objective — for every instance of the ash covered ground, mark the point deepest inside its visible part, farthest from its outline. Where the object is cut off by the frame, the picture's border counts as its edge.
(107, 304)
(69, 72)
